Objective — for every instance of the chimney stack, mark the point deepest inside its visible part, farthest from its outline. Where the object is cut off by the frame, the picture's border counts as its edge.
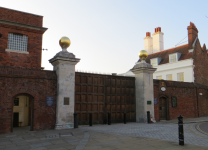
(148, 43)
(158, 42)
(192, 34)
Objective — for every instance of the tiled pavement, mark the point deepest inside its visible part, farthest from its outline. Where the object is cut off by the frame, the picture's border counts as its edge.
(158, 136)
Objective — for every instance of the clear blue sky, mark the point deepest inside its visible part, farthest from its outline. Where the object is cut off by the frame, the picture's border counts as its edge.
(107, 35)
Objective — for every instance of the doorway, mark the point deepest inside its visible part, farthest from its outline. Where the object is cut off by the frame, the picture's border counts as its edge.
(22, 113)
(16, 119)
(163, 108)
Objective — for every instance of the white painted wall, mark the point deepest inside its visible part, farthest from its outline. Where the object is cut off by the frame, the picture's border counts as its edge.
(23, 110)
(185, 66)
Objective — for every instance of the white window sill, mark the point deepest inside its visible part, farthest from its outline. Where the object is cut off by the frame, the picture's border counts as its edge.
(16, 51)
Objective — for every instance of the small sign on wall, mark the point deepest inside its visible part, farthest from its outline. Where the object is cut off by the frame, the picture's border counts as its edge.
(149, 102)
(49, 101)
(155, 101)
(66, 100)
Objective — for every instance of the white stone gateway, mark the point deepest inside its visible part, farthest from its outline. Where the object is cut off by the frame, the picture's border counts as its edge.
(144, 88)
(64, 65)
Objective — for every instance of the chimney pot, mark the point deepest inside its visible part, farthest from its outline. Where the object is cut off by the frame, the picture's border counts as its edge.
(159, 28)
(148, 34)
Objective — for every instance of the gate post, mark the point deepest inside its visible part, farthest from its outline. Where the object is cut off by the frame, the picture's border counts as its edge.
(75, 121)
(109, 118)
(144, 88)
(124, 117)
(90, 119)
(180, 130)
(148, 117)
(64, 65)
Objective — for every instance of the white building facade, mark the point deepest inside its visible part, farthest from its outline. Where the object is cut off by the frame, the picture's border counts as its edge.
(177, 71)
(175, 64)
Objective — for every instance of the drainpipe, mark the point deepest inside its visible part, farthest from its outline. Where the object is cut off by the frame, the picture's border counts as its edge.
(197, 101)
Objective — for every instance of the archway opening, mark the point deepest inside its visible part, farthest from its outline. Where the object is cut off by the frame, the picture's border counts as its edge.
(22, 113)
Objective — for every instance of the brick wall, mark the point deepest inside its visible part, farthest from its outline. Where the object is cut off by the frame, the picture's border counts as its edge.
(37, 83)
(189, 100)
(200, 57)
(21, 17)
(203, 102)
(34, 46)
(31, 60)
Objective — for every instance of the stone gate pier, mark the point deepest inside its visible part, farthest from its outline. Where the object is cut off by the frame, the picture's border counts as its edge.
(64, 65)
(144, 88)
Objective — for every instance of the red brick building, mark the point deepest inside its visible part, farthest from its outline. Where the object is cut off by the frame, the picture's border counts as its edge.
(28, 93)
(24, 87)
(192, 100)
(180, 98)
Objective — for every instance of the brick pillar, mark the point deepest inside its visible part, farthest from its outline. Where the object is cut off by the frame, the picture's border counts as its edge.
(64, 65)
(144, 89)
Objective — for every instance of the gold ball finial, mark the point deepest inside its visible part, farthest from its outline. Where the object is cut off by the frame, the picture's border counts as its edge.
(143, 54)
(64, 42)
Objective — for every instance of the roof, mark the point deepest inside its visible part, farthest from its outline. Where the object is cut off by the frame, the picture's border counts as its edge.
(164, 55)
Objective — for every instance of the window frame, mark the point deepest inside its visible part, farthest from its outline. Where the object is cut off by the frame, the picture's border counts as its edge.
(171, 77)
(178, 55)
(172, 101)
(178, 76)
(21, 43)
(153, 60)
(173, 55)
(159, 76)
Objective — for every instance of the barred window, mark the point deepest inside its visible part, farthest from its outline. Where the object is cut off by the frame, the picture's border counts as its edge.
(17, 42)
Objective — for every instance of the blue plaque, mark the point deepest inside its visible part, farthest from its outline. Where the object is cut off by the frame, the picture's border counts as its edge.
(49, 101)
(155, 101)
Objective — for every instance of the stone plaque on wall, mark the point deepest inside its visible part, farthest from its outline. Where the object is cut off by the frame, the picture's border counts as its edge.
(66, 100)
(49, 101)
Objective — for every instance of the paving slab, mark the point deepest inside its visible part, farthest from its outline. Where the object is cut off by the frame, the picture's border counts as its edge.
(159, 136)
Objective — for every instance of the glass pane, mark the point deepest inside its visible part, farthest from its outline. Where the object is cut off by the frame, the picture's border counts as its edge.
(17, 42)
(181, 77)
(154, 62)
(169, 77)
(159, 77)
(172, 58)
(174, 102)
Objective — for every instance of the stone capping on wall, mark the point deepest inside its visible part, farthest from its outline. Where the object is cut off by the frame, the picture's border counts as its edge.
(16, 51)
(180, 84)
(105, 74)
(8, 71)
(22, 25)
